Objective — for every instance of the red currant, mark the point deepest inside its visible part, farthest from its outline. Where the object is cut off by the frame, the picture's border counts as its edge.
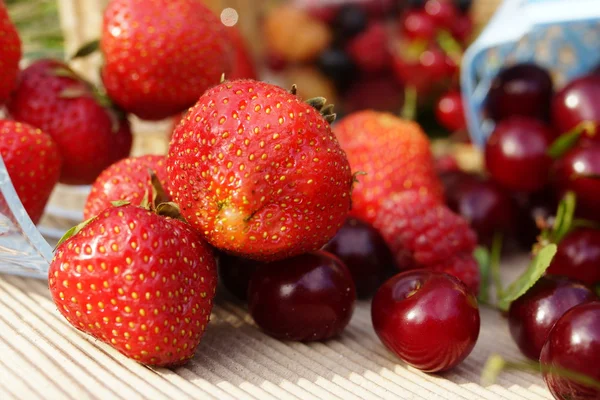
(429, 319)
(532, 315)
(578, 256)
(449, 111)
(308, 297)
(573, 344)
(516, 154)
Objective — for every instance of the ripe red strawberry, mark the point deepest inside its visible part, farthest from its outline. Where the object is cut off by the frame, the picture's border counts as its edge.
(422, 233)
(127, 180)
(259, 172)
(393, 153)
(89, 136)
(370, 49)
(243, 64)
(136, 280)
(161, 55)
(10, 54)
(33, 163)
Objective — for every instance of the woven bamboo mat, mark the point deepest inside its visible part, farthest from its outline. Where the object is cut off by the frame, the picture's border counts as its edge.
(43, 357)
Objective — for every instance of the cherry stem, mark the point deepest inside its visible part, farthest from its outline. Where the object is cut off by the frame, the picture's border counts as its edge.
(409, 109)
(450, 45)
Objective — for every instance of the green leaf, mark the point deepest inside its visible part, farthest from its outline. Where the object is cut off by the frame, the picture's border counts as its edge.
(87, 49)
(492, 369)
(597, 288)
(409, 109)
(73, 231)
(564, 217)
(482, 256)
(534, 271)
(495, 253)
(120, 203)
(564, 143)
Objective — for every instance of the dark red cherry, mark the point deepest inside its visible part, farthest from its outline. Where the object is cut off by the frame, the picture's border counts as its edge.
(443, 12)
(516, 154)
(577, 102)
(235, 274)
(449, 111)
(417, 24)
(424, 72)
(362, 249)
(578, 256)
(532, 315)
(579, 171)
(428, 319)
(308, 297)
(573, 344)
(523, 89)
(462, 28)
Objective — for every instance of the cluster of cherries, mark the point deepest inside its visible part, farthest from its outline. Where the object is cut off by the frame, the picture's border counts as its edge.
(372, 50)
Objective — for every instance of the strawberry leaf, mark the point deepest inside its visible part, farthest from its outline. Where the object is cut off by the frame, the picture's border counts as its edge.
(73, 231)
(169, 209)
(120, 203)
(87, 49)
(534, 271)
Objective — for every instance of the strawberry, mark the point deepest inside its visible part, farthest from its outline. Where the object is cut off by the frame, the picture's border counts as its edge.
(10, 54)
(161, 55)
(89, 136)
(127, 180)
(136, 280)
(259, 172)
(33, 163)
(394, 155)
(422, 233)
(243, 64)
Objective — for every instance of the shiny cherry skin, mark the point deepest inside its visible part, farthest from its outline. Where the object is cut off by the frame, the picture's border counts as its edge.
(532, 315)
(443, 12)
(235, 274)
(449, 111)
(487, 207)
(574, 344)
(578, 256)
(579, 171)
(417, 24)
(577, 102)
(431, 67)
(523, 89)
(304, 298)
(516, 154)
(362, 249)
(429, 319)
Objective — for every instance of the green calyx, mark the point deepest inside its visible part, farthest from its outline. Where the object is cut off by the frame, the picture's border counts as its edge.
(319, 104)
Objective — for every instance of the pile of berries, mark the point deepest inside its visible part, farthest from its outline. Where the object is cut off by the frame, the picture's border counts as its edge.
(291, 213)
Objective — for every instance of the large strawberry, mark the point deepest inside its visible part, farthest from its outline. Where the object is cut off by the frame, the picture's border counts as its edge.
(90, 136)
(10, 54)
(259, 172)
(161, 55)
(394, 155)
(136, 280)
(33, 163)
(126, 180)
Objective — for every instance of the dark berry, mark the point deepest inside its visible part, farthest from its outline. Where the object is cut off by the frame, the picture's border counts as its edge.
(362, 249)
(579, 171)
(488, 208)
(350, 21)
(577, 102)
(415, 3)
(308, 297)
(275, 62)
(523, 89)
(443, 12)
(428, 319)
(338, 66)
(532, 315)
(573, 344)
(516, 154)
(417, 24)
(235, 274)
(463, 5)
(536, 212)
(578, 256)
(449, 111)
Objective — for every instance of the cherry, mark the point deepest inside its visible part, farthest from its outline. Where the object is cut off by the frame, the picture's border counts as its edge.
(362, 249)
(578, 256)
(462, 28)
(523, 89)
(532, 315)
(429, 319)
(418, 25)
(235, 274)
(443, 12)
(577, 102)
(579, 171)
(430, 67)
(487, 207)
(516, 154)
(308, 297)
(449, 111)
(573, 344)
